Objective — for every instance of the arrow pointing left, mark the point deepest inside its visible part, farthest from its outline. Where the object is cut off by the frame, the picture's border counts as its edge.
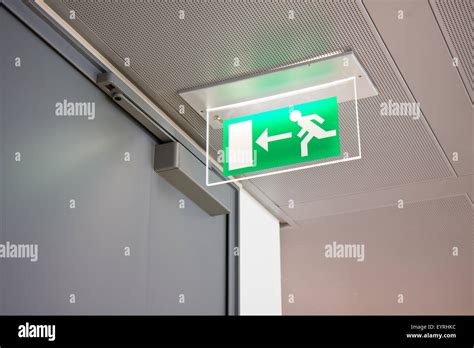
(264, 139)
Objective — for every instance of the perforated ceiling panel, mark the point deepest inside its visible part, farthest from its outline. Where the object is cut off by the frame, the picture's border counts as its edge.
(169, 54)
(455, 18)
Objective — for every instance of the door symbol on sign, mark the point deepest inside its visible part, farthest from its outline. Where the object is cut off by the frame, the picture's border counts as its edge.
(308, 126)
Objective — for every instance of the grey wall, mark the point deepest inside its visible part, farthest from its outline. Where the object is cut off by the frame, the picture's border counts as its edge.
(118, 204)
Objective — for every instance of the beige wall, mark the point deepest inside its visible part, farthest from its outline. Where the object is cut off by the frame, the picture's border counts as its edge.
(407, 251)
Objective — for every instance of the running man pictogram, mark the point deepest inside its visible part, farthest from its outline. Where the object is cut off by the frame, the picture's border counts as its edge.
(308, 126)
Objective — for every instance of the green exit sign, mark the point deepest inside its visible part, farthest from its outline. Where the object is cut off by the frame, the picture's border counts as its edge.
(281, 137)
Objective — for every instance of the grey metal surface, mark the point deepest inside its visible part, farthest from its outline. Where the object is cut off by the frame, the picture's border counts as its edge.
(192, 260)
(166, 157)
(118, 204)
(108, 83)
(407, 251)
(169, 55)
(174, 163)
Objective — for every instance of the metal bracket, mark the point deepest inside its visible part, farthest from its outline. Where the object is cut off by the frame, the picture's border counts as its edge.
(179, 167)
(290, 85)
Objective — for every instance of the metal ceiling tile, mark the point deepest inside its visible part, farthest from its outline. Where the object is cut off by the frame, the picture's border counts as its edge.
(455, 21)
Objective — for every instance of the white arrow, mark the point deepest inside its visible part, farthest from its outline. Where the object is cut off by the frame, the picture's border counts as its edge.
(264, 139)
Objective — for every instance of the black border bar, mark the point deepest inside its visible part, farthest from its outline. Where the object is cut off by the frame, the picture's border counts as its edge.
(141, 330)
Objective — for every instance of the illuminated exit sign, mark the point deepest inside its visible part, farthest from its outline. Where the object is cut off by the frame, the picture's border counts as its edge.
(281, 137)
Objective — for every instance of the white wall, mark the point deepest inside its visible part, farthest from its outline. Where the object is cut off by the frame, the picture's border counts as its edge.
(260, 275)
